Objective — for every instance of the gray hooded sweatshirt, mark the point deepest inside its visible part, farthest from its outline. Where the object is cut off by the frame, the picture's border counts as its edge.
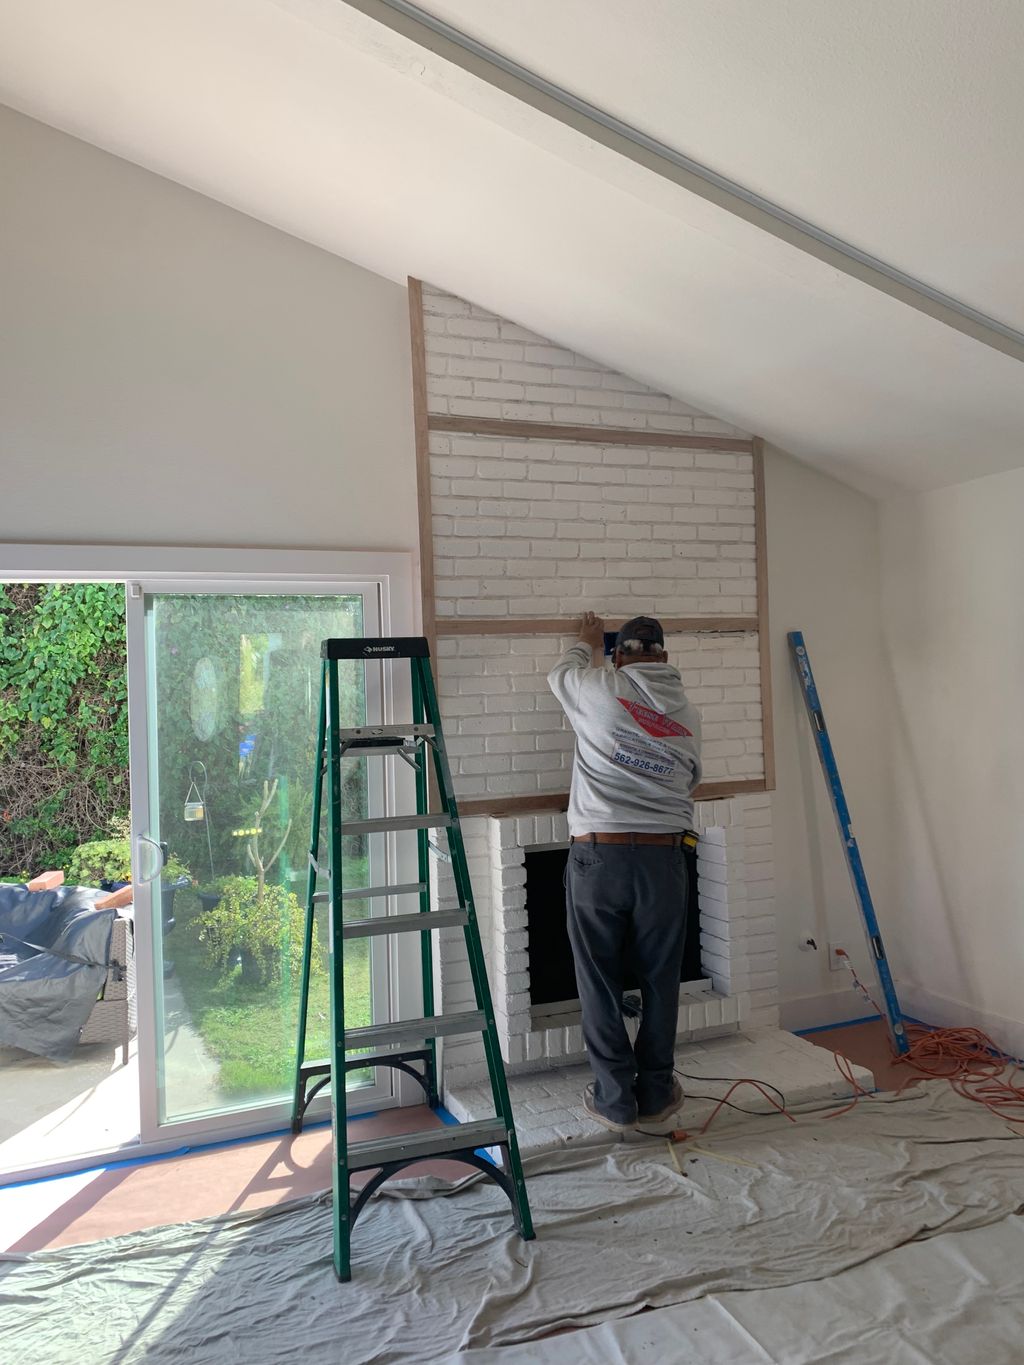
(637, 745)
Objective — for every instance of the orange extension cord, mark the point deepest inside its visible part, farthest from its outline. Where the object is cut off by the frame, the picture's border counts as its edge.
(966, 1058)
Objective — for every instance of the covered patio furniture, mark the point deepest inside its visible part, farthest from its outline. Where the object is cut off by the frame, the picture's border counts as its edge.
(67, 970)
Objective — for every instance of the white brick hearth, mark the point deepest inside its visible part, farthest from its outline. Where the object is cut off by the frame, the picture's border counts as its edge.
(549, 1111)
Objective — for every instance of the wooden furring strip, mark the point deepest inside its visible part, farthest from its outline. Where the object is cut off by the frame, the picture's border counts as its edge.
(498, 806)
(504, 625)
(763, 637)
(516, 429)
(422, 439)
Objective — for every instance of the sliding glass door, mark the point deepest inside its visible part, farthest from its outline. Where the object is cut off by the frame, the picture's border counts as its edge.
(222, 780)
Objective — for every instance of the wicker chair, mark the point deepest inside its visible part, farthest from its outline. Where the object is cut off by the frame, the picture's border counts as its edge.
(114, 1017)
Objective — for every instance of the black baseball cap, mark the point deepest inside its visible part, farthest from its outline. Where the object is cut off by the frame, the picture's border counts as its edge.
(643, 628)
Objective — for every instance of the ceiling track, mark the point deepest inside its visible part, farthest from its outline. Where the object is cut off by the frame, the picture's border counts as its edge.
(433, 34)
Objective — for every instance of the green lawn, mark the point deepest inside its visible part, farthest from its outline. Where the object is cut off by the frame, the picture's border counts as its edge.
(251, 1030)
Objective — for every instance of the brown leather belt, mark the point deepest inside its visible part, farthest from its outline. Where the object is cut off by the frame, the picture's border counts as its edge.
(686, 838)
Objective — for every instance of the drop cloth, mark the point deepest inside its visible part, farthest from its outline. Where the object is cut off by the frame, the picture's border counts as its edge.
(619, 1229)
(955, 1299)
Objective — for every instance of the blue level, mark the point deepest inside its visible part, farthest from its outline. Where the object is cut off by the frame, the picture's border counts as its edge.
(850, 848)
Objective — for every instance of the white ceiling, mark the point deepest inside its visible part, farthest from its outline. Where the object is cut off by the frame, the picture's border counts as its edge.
(896, 127)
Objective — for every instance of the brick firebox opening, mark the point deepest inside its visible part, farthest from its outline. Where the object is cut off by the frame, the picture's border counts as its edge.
(553, 989)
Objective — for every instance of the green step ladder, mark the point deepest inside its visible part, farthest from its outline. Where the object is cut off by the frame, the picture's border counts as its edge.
(410, 1045)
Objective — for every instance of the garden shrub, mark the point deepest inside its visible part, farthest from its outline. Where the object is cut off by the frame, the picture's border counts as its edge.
(110, 860)
(266, 930)
(63, 720)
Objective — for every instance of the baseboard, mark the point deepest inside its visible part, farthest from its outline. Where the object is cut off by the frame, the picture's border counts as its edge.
(822, 1011)
(940, 1010)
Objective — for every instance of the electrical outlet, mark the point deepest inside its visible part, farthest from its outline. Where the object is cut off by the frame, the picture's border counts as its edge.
(837, 957)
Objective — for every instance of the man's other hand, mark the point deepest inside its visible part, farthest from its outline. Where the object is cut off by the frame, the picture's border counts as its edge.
(592, 631)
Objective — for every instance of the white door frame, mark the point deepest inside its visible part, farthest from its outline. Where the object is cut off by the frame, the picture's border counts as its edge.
(161, 568)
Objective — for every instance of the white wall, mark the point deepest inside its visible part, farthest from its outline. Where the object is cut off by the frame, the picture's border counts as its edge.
(173, 372)
(823, 579)
(953, 569)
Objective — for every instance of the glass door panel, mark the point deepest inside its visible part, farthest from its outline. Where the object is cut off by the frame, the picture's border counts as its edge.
(232, 695)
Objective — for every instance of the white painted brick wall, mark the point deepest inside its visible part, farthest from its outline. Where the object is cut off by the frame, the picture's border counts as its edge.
(545, 528)
(506, 733)
(527, 528)
(480, 365)
(538, 528)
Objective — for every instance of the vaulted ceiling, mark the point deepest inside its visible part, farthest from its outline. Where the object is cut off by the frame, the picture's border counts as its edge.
(897, 128)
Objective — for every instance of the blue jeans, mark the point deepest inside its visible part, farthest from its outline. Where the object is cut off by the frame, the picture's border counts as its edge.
(626, 908)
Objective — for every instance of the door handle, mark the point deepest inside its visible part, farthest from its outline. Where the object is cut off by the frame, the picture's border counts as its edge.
(161, 848)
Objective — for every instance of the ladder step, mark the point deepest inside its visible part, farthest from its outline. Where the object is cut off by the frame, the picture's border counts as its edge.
(381, 748)
(395, 822)
(366, 733)
(374, 1152)
(414, 1030)
(403, 924)
(363, 893)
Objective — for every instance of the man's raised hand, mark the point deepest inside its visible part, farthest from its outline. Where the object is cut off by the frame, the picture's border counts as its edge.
(592, 630)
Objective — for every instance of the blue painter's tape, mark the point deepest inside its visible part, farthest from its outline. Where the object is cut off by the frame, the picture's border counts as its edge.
(847, 1023)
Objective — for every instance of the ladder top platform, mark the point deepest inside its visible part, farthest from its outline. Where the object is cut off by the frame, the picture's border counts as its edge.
(387, 647)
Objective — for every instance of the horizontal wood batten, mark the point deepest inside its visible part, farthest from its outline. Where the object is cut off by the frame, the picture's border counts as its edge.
(559, 801)
(504, 625)
(595, 436)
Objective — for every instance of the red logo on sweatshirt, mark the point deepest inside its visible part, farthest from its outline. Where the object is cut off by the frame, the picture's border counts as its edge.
(654, 722)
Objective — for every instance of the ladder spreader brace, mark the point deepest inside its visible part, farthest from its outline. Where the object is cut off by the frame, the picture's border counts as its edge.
(404, 1045)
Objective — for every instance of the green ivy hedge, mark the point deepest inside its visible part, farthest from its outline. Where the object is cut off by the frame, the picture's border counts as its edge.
(63, 720)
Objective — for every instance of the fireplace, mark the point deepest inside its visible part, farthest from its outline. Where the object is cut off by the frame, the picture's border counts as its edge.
(731, 962)
(552, 974)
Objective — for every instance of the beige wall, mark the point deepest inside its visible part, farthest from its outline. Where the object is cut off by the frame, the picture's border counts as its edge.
(953, 566)
(173, 372)
(824, 580)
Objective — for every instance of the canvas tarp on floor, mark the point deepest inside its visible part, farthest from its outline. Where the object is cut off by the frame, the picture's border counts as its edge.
(955, 1299)
(619, 1229)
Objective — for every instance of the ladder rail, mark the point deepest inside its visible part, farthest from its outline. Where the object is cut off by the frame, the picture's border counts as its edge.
(851, 849)
(340, 1182)
(423, 866)
(298, 1105)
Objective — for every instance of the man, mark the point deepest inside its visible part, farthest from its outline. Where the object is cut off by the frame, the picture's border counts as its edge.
(637, 762)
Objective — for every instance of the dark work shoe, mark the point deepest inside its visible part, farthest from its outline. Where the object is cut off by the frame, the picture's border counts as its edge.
(663, 1115)
(590, 1106)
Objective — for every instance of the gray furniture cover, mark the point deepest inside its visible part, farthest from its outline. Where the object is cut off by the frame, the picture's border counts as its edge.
(54, 950)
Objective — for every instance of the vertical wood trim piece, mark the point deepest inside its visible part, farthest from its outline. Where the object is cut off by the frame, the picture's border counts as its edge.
(422, 437)
(764, 634)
